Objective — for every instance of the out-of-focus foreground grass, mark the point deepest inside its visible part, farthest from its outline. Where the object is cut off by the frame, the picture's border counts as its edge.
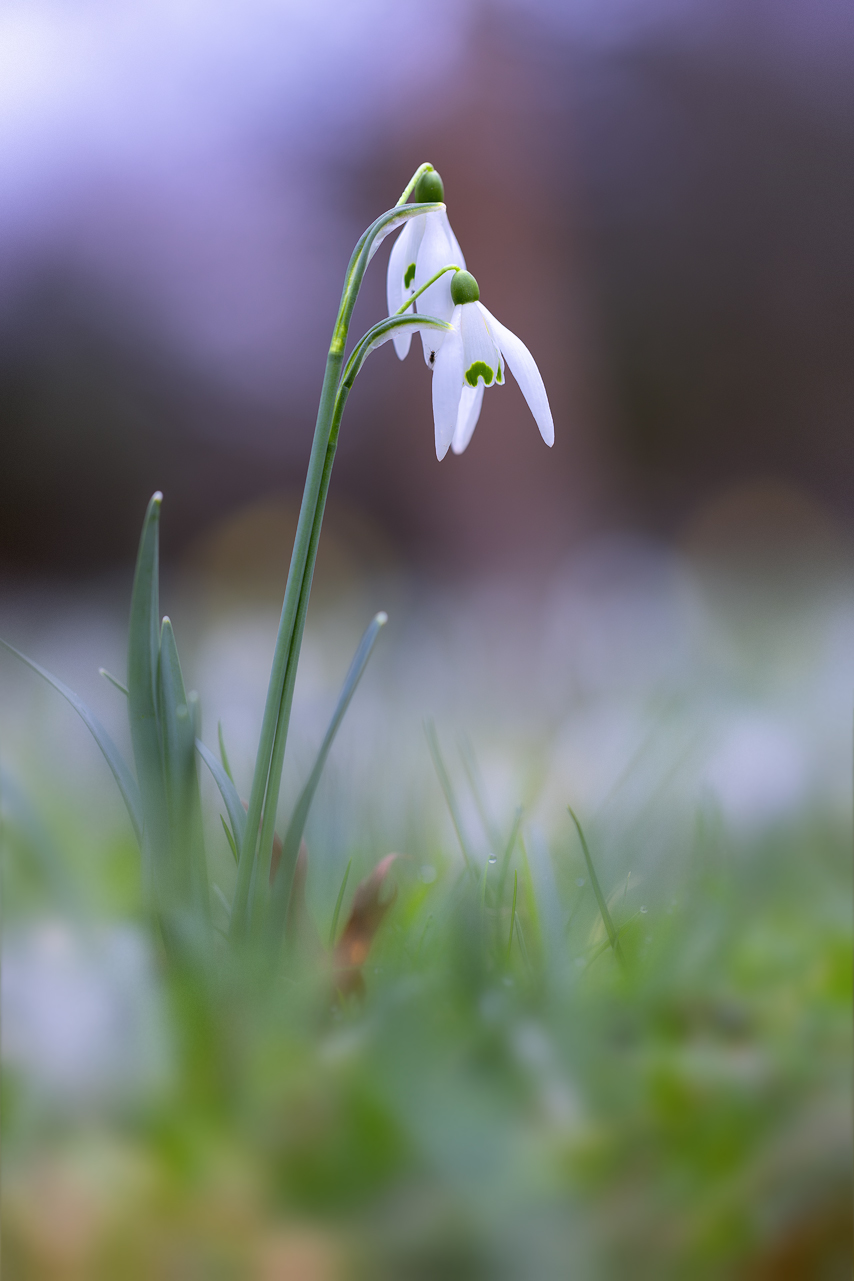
(491, 1106)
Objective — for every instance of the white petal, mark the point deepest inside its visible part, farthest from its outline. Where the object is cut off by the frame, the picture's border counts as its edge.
(403, 252)
(524, 369)
(480, 353)
(434, 253)
(447, 386)
(456, 252)
(467, 416)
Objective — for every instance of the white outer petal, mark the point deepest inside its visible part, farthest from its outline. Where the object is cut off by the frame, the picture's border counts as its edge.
(403, 252)
(456, 252)
(447, 386)
(467, 416)
(478, 344)
(435, 252)
(524, 369)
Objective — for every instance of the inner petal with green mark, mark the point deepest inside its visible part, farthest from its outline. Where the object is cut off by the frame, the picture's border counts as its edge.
(409, 275)
(479, 370)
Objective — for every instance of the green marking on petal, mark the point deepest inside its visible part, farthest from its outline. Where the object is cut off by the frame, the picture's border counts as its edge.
(409, 276)
(479, 370)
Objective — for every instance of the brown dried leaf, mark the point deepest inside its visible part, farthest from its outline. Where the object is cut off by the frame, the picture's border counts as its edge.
(366, 916)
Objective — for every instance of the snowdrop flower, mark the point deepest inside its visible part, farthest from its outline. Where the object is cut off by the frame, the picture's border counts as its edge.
(470, 358)
(423, 248)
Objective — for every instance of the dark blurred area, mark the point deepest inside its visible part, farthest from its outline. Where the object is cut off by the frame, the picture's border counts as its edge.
(657, 198)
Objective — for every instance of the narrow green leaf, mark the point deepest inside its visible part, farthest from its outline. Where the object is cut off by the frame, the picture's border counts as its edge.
(473, 775)
(143, 655)
(228, 836)
(613, 936)
(523, 947)
(333, 929)
(223, 754)
(531, 896)
(233, 803)
(18, 816)
(293, 836)
(102, 671)
(513, 913)
(112, 755)
(450, 797)
(188, 869)
(222, 899)
(508, 852)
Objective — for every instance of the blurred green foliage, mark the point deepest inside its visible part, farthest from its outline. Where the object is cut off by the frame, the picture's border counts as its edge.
(543, 1114)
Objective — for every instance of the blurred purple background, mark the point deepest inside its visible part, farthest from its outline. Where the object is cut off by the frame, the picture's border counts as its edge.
(656, 196)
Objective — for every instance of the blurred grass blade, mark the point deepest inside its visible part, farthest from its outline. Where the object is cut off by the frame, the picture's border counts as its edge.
(188, 869)
(226, 906)
(475, 780)
(143, 655)
(223, 754)
(450, 797)
(531, 896)
(508, 852)
(293, 836)
(512, 913)
(112, 755)
(613, 936)
(333, 929)
(228, 836)
(233, 803)
(21, 825)
(102, 671)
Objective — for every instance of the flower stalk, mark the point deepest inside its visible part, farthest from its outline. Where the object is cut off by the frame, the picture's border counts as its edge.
(257, 846)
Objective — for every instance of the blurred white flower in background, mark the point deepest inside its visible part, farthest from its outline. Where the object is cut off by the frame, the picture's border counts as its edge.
(82, 1020)
(758, 770)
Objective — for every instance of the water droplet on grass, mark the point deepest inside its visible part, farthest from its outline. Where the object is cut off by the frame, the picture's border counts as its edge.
(580, 880)
(493, 858)
(644, 910)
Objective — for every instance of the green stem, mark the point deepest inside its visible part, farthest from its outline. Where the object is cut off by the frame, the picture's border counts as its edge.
(255, 856)
(410, 186)
(418, 292)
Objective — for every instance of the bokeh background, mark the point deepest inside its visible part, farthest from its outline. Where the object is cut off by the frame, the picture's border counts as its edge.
(653, 620)
(656, 196)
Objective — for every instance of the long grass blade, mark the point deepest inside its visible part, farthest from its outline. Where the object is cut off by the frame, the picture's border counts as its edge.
(475, 780)
(228, 836)
(223, 754)
(121, 772)
(333, 929)
(450, 796)
(102, 671)
(143, 657)
(613, 936)
(512, 914)
(20, 820)
(508, 853)
(228, 792)
(188, 869)
(293, 836)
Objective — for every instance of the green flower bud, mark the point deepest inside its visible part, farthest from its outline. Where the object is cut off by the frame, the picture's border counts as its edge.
(464, 288)
(429, 188)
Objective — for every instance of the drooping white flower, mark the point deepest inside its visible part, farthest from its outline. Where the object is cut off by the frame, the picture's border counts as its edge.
(423, 248)
(471, 358)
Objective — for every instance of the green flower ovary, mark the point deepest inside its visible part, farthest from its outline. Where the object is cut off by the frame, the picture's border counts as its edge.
(409, 275)
(429, 187)
(479, 370)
